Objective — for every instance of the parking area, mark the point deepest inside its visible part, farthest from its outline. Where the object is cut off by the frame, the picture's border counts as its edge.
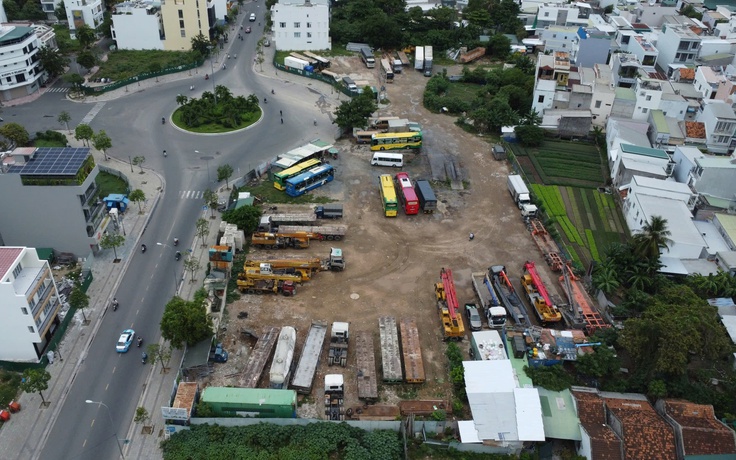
(392, 263)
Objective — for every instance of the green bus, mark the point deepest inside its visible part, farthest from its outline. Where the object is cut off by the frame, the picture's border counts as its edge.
(280, 178)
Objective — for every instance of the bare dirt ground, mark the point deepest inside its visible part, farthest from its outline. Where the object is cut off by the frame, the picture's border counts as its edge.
(393, 263)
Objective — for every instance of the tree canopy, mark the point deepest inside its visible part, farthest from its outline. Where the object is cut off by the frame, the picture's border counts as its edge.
(185, 322)
(245, 217)
(354, 113)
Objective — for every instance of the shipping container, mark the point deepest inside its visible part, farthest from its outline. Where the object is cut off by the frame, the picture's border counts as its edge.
(250, 402)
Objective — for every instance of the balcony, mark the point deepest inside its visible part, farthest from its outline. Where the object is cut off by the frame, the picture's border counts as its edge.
(43, 298)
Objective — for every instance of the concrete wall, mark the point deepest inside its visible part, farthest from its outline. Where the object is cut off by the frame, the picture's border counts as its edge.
(137, 30)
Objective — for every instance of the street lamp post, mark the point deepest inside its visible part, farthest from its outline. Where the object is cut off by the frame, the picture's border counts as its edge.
(212, 74)
(112, 424)
(176, 280)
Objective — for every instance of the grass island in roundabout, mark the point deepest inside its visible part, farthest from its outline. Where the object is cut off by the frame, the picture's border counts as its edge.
(218, 112)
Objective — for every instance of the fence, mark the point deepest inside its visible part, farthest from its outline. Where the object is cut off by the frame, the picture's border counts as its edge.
(315, 76)
(91, 91)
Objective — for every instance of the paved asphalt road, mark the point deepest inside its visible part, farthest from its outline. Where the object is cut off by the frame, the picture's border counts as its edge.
(85, 431)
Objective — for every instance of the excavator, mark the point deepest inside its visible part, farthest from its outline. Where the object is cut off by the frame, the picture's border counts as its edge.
(305, 268)
(298, 240)
(262, 280)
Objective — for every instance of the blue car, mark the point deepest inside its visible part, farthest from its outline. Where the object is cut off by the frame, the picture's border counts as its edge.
(126, 338)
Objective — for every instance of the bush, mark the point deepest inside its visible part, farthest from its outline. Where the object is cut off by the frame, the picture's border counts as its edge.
(51, 136)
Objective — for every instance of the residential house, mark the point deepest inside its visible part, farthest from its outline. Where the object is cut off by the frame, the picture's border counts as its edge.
(725, 30)
(30, 304)
(625, 69)
(694, 133)
(698, 432)
(559, 417)
(677, 44)
(594, 48)
(669, 188)
(571, 14)
(716, 83)
(714, 18)
(83, 12)
(725, 225)
(652, 14)
(553, 71)
(624, 131)
(720, 125)
(619, 426)
(632, 42)
(716, 52)
(710, 176)
(138, 25)
(561, 38)
(568, 123)
(301, 25)
(183, 20)
(674, 105)
(61, 183)
(635, 160)
(603, 95)
(664, 131)
(22, 72)
(648, 93)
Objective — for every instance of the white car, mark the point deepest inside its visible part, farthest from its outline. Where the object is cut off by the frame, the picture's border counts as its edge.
(252, 17)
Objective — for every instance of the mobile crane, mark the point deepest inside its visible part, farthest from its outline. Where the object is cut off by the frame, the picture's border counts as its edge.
(538, 296)
(299, 240)
(262, 279)
(449, 309)
(305, 268)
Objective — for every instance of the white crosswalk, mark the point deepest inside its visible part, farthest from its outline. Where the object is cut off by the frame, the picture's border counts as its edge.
(191, 194)
(57, 90)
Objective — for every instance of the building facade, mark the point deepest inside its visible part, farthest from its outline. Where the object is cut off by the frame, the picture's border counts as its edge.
(301, 25)
(30, 304)
(137, 26)
(184, 20)
(21, 70)
(81, 12)
(56, 189)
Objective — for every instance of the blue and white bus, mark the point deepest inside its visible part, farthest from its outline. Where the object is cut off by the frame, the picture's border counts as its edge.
(309, 180)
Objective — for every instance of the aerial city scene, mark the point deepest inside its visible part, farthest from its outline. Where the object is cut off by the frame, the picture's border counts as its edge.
(373, 229)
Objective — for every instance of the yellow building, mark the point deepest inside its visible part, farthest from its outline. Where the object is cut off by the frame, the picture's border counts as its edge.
(182, 21)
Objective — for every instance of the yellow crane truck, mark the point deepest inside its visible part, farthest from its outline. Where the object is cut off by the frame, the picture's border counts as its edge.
(305, 268)
(298, 240)
(262, 279)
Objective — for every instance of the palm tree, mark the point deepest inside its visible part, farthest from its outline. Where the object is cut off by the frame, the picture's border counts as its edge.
(605, 278)
(531, 118)
(653, 237)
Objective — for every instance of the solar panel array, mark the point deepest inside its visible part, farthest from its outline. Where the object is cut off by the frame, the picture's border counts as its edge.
(53, 161)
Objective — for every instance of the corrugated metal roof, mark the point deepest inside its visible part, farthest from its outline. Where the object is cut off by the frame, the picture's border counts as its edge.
(250, 395)
(645, 151)
(559, 415)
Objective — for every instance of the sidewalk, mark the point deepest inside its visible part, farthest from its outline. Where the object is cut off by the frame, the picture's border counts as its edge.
(24, 436)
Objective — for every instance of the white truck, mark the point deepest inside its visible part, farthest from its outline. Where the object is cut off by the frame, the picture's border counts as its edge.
(520, 193)
(339, 337)
(282, 358)
(495, 313)
(290, 61)
(334, 397)
(428, 58)
(419, 58)
(304, 373)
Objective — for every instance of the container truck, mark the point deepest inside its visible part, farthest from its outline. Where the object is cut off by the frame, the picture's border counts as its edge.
(518, 190)
(427, 199)
(403, 58)
(290, 61)
(419, 58)
(271, 222)
(311, 352)
(282, 358)
(397, 65)
(328, 211)
(339, 337)
(492, 308)
(334, 397)
(428, 58)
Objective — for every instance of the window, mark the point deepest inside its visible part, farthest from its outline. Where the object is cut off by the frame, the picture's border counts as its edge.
(721, 139)
(546, 14)
(649, 98)
(297, 25)
(183, 33)
(282, 25)
(309, 25)
(554, 35)
(24, 310)
(31, 330)
(540, 99)
(297, 34)
(181, 14)
(644, 110)
(309, 34)
(564, 45)
(16, 271)
(597, 104)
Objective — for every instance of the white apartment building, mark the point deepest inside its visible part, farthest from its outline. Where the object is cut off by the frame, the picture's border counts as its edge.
(301, 25)
(561, 38)
(137, 26)
(572, 14)
(720, 125)
(30, 305)
(715, 83)
(648, 96)
(677, 45)
(711, 176)
(21, 71)
(80, 12)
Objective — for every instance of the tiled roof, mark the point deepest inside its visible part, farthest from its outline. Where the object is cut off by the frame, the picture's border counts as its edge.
(604, 443)
(8, 256)
(695, 129)
(702, 434)
(687, 74)
(645, 433)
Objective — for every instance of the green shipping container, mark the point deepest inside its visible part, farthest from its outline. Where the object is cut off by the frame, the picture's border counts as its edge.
(251, 402)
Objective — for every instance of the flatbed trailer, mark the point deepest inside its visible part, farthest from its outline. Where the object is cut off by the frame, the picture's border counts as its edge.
(403, 58)
(507, 293)
(366, 373)
(309, 359)
(390, 352)
(258, 358)
(293, 218)
(412, 351)
(323, 232)
(546, 245)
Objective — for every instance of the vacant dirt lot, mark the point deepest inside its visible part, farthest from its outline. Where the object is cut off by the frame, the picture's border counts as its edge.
(393, 263)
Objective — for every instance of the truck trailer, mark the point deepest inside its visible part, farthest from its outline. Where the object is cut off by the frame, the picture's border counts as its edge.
(366, 372)
(507, 294)
(419, 58)
(290, 61)
(427, 199)
(390, 352)
(282, 358)
(309, 359)
(322, 232)
(258, 358)
(412, 351)
(492, 308)
(428, 59)
(329, 211)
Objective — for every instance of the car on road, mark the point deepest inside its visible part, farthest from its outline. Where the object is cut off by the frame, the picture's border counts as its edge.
(126, 338)
(474, 321)
(266, 42)
(247, 30)
(252, 17)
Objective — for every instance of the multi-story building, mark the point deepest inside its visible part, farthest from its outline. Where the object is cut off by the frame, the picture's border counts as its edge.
(56, 188)
(648, 96)
(21, 70)
(301, 25)
(138, 26)
(81, 12)
(709, 175)
(716, 83)
(561, 38)
(625, 69)
(720, 125)
(677, 44)
(572, 14)
(30, 304)
(184, 20)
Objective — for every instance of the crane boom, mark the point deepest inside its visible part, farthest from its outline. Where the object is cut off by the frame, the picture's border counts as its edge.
(541, 288)
(449, 285)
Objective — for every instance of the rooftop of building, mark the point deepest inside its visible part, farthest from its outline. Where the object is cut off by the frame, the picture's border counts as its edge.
(644, 151)
(720, 110)
(673, 210)
(728, 223)
(255, 395)
(50, 161)
(645, 433)
(695, 129)
(558, 415)
(626, 94)
(11, 33)
(659, 184)
(646, 45)
(604, 443)
(8, 258)
(687, 74)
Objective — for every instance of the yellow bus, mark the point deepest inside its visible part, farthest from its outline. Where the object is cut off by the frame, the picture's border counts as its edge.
(388, 196)
(396, 141)
(280, 178)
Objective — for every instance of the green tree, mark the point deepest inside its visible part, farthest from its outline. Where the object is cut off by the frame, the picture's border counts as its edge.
(530, 135)
(245, 217)
(159, 354)
(64, 118)
(83, 132)
(52, 61)
(181, 99)
(185, 322)
(112, 241)
(32, 11)
(15, 133)
(104, 27)
(553, 378)
(202, 230)
(202, 45)
(79, 300)
(224, 173)
(138, 160)
(138, 196)
(498, 46)
(603, 362)
(35, 380)
(605, 278)
(141, 415)
(102, 142)
(76, 80)
(12, 10)
(192, 265)
(155, 67)
(355, 112)
(653, 237)
(87, 59)
(60, 12)
(211, 200)
(86, 36)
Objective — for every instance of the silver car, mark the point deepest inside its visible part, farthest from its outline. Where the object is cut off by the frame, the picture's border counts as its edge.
(474, 321)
